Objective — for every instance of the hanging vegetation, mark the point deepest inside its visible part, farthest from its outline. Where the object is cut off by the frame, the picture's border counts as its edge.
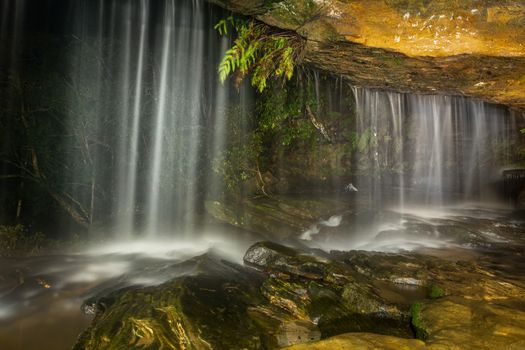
(260, 51)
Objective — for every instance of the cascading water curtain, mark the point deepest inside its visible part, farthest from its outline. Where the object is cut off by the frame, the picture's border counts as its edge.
(428, 148)
(157, 109)
(130, 109)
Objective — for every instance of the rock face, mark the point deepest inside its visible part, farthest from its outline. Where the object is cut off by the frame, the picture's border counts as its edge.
(474, 47)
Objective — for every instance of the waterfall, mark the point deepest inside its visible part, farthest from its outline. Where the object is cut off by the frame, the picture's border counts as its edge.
(151, 117)
(129, 115)
(429, 148)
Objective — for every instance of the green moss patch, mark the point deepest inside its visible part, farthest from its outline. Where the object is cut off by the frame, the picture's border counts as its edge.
(416, 321)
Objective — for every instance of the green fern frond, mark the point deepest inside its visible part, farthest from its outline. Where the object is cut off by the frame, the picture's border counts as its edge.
(221, 27)
(259, 50)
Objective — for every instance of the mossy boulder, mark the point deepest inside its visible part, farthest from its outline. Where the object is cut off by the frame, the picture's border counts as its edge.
(325, 291)
(286, 296)
(289, 298)
(191, 312)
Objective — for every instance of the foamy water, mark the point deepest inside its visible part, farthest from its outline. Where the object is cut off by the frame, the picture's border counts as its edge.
(408, 229)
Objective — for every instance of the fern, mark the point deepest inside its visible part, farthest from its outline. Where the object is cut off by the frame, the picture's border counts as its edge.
(222, 27)
(235, 23)
(259, 50)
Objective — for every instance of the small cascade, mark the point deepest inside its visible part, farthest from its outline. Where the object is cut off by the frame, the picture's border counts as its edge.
(428, 148)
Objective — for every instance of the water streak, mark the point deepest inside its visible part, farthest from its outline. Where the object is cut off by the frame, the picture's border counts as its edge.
(147, 131)
(429, 148)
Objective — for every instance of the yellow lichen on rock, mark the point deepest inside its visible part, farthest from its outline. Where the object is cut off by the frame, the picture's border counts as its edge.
(441, 31)
(362, 341)
(471, 47)
(142, 333)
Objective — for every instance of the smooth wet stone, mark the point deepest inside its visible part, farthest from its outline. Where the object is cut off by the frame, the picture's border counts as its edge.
(395, 268)
(362, 341)
(453, 323)
(460, 278)
(274, 257)
(275, 218)
(479, 325)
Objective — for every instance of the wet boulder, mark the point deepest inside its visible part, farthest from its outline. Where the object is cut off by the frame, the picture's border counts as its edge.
(275, 218)
(205, 309)
(405, 269)
(272, 257)
(282, 297)
(325, 292)
(451, 322)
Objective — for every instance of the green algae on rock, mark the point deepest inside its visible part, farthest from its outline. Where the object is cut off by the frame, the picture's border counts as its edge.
(191, 312)
(221, 305)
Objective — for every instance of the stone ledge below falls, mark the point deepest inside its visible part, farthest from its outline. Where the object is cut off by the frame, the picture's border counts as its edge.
(283, 296)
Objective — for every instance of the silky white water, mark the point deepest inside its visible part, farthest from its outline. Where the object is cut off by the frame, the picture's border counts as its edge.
(422, 162)
(161, 115)
(430, 149)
